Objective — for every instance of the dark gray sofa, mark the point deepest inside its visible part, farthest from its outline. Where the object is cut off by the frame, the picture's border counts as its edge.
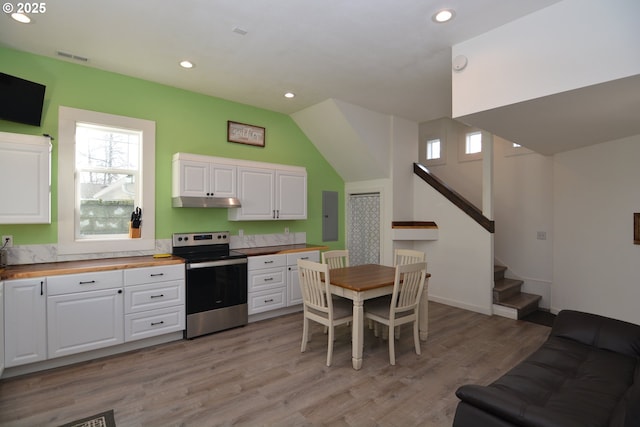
(586, 374)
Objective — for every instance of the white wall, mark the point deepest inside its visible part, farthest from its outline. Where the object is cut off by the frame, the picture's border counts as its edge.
(523, 206)
(565, 46)
(523, 202)
(596, 265)
(461, 260)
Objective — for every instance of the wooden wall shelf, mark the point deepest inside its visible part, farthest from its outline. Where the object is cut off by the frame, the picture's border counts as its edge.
(414, 230)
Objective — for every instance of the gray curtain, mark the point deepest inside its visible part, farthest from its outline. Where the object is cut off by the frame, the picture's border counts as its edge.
(363, 236)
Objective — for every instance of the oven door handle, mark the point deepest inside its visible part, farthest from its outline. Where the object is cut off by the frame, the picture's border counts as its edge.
(207, 264)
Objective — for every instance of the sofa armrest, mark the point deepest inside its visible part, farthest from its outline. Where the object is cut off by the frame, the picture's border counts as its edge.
(598, 331)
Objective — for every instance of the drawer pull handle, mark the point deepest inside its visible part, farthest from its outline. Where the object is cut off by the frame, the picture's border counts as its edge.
(157, 323)
(156, 296)
(157, 274)
(88, 282)
(269, 262)
(304, 257)
(268, 279)
(269, 300)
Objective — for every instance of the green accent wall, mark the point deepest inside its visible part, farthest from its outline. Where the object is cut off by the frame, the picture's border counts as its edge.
(185, 122)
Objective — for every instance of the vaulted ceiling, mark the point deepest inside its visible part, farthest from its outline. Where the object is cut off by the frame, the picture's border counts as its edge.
(386, 56)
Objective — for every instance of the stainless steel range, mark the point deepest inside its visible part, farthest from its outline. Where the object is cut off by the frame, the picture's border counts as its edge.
(216, 282)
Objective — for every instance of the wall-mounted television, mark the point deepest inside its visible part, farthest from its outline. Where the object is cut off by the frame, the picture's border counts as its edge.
(21, 100)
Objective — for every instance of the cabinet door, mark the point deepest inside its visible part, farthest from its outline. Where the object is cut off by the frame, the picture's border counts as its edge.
(25, 176)
(25, 321)
(222, 181)
(294, 293)
(256, 190)
(291, 192)
(194, 178)
(84, 321)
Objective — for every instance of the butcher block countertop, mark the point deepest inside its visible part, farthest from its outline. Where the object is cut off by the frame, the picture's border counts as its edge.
(25, 271)
(283, 249)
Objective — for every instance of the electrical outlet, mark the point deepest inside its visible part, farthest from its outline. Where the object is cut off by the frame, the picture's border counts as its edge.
(241, 233)
(7, 242)
(542, 235)
(286, 230)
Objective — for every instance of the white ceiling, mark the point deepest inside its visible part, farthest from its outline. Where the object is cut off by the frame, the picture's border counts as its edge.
(386, 56)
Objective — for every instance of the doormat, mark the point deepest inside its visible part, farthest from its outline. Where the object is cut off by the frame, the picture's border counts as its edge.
(540, 317)
(104, 419)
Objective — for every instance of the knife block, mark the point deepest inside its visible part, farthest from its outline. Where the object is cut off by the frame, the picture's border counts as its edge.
(134, 233)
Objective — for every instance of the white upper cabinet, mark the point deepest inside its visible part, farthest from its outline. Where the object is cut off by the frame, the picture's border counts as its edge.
(203, 179)
(25, 174)
(291, 194)
(271, 194)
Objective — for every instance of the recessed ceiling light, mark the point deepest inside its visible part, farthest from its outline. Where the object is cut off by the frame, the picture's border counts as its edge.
(186, 64)
(444, 15)
(289, 95)
(21, 17)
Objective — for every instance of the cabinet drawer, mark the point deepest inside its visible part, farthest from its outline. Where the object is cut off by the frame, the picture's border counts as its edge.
(153, 322)
(266, 261)
(267, 300)
(163, 273)
(82, 282)
(153, 295)
(266, 279)
(292, 259)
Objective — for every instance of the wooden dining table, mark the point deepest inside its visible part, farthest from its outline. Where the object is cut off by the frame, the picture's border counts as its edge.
(363, 282)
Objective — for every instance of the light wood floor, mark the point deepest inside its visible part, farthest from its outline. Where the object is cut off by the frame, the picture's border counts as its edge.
(256, 375)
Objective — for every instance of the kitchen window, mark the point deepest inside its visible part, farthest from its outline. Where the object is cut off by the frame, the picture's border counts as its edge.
(106, 170)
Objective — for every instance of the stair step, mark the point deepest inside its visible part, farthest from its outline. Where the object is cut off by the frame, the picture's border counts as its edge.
(505, 288)
(524, 303)
(498, 272)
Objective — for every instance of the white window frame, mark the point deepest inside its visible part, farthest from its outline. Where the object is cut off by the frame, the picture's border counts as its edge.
(67, 242)
(463, 156)
(442, 160)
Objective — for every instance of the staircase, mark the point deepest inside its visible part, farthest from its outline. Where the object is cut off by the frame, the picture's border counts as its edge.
(506, 293)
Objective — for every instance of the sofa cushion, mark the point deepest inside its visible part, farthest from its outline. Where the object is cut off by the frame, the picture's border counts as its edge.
(564, 383)
(598, 331)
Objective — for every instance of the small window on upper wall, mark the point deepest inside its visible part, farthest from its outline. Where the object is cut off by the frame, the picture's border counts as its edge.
(433, 149)
(473, 143)
(471, 146)
(433, 152)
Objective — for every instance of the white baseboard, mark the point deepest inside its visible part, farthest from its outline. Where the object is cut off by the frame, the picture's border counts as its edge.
(501, 310)
(459, 304)
(91, 355)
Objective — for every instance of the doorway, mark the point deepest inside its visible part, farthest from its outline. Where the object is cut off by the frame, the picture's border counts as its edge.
(363, 235)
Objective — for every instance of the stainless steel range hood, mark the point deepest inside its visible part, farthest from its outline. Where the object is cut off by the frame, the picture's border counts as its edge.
(205, 202)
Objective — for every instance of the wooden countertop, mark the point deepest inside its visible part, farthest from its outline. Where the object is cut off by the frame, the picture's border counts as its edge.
(24, 271)
(283, 249)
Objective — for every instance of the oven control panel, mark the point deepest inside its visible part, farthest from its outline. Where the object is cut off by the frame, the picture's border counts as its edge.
(201, 239)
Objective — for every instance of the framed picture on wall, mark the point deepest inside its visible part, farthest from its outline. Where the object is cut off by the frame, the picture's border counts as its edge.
(245, 134)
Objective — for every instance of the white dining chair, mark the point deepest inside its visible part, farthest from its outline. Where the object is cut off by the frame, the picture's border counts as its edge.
(402, 306)
(408, 256)
(336, 258)
(318, 304)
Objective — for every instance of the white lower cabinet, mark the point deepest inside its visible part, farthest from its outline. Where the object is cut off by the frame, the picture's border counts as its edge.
(273, 280)
(84, 312)
(267, 281)
(25, 321)
(59, 315)
(294, 293)
(84, 321)
(154, 301)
